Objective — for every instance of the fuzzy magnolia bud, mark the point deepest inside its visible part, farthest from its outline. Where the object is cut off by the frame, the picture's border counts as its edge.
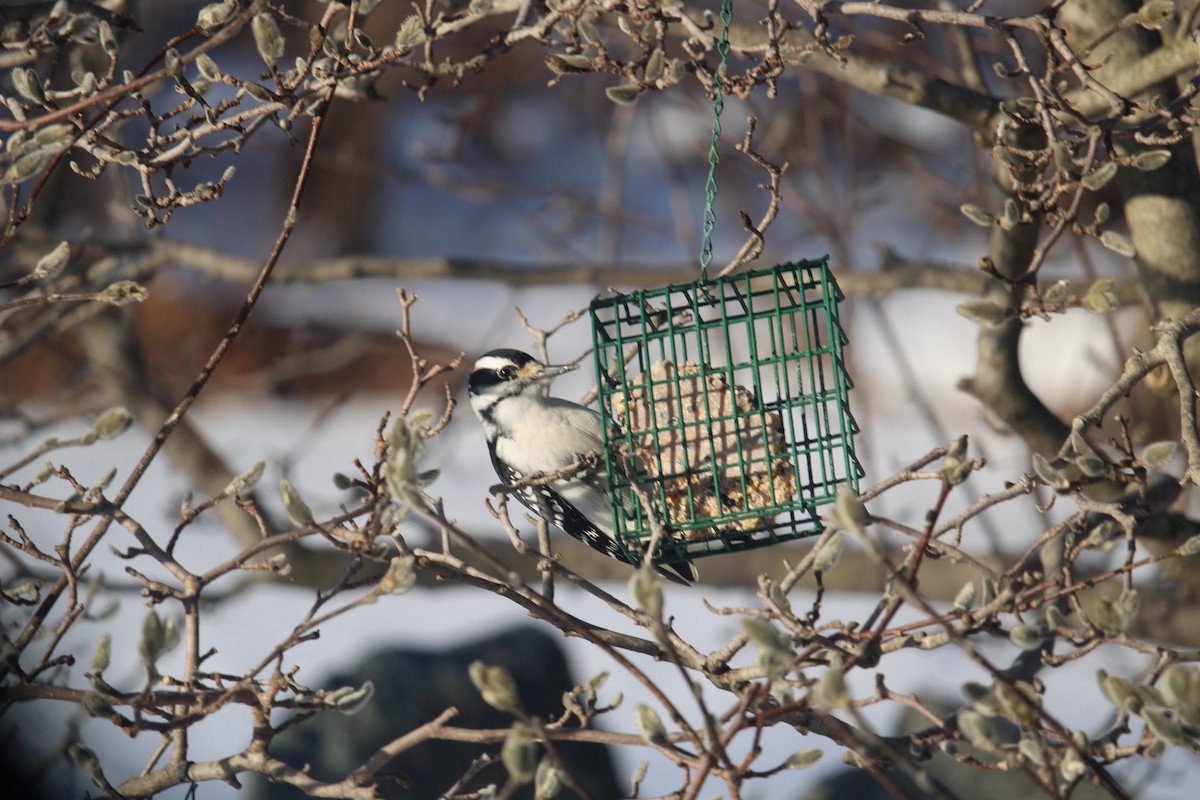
(803, 759)
(123, 293)
(87, 760)
(956, 466)
(102, 654)
(978, 730)
(112, 423)
(214, 15)
(244, 482)
(409, 34)
(1026, 637)
(645, 590)
(1158, 454)
(649, 724)
(158, 636)
(207, 67)
(1055, 618)
(774, 648)
(639, 774)
(849, 513)
(27, 84)
(400, 576)
(546, 782)
(51, 264)
(267, 38)
(829, 552)
(495, 685)
(406, 444)
(96, 706)
(965, 599)
(297, 510)
(519, 753)
(831, 691)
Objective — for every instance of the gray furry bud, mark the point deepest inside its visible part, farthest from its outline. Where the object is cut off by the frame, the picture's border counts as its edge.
(112, 423)
(495, 685)
(297, 510)
(649, 724)
(51, 264)
(519, 753)
(101, 655)
(645, 590)
(267, 38)
(245, 481)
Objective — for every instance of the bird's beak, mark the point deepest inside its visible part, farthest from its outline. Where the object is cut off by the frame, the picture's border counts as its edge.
(550, 371)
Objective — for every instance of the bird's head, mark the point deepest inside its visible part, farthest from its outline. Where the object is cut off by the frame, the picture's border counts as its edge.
(509, 373)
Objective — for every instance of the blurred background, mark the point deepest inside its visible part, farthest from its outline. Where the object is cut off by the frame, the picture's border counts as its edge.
(507, 201)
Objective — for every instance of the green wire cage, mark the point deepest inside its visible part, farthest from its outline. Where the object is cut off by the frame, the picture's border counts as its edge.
(725, 410)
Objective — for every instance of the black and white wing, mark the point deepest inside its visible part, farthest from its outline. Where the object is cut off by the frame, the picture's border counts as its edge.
(549, 504)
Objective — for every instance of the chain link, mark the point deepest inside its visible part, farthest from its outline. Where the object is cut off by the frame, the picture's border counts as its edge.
(714, 158)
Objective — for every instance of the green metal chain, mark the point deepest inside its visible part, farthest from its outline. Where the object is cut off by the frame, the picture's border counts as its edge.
(714, 158)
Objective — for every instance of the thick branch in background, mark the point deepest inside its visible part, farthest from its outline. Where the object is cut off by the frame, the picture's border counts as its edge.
(894, 272)
(998, 382)
(1161, 207)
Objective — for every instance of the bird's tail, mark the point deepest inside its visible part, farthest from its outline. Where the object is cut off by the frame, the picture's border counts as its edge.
(682, 572)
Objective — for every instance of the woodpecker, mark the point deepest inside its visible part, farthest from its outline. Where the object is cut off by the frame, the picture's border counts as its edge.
(529, 432)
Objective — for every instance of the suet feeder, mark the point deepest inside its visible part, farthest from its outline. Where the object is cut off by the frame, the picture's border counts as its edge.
(725, 410)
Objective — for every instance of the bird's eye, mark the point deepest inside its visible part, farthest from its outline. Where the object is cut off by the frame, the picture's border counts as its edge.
(507, 373)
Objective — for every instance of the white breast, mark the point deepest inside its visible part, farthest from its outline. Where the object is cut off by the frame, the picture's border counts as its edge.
(552, 434)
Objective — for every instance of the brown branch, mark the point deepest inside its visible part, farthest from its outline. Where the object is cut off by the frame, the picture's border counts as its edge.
(894, 274)
(434, 729)
(1168, 350)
